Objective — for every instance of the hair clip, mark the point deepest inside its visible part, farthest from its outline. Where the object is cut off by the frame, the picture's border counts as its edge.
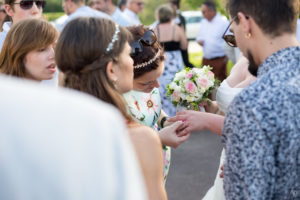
(114, 39)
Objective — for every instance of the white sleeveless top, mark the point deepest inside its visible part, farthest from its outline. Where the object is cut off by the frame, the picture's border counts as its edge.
(225, 95)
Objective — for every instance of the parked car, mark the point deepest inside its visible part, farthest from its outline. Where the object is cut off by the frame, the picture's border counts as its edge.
(192, 20)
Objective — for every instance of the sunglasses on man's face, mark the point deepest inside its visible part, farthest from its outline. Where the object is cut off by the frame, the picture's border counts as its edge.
(3, 11)
(148, 39)
(26, 5)
(230, 38)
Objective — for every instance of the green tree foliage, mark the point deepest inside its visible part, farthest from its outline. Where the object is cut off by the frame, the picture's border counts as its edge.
(196, 4)
(53, 6)
(148, 15)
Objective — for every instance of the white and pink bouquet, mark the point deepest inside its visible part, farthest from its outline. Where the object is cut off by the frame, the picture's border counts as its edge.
(190, 88)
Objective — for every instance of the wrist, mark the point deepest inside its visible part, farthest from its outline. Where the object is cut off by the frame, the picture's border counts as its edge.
(163, 121)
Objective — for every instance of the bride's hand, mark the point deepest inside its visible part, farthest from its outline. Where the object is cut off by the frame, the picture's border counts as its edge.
(193, 120)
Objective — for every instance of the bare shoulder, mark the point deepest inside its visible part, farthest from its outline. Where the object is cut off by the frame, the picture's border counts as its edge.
(145, 135)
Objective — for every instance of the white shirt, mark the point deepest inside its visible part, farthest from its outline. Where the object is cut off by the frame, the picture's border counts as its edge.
(5, 28)
(210, 32)
(85, 11)
(120, 18)
(134, 18)
(298, 30)
(63, 145)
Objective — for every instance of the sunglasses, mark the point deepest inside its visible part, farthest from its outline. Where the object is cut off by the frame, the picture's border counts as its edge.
(230, 39)
(3, 11)
(148, 39)
(26, 5)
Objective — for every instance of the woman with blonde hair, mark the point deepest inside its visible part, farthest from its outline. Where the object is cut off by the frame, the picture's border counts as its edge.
(96, 60)
(28, 50)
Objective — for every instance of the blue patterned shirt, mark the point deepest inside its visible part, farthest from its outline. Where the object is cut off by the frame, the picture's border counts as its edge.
(262, 133)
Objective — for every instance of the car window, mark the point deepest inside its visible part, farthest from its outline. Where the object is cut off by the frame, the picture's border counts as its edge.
(191, 20)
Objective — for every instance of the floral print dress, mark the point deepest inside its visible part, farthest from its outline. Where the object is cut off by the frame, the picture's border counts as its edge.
(146, 109)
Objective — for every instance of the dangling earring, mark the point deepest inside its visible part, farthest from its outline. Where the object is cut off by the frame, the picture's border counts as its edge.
(114, 82)
(248, 35)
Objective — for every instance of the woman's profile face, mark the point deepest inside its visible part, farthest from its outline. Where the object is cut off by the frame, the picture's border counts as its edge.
(40, 64)
(124, 72)
(148, 81)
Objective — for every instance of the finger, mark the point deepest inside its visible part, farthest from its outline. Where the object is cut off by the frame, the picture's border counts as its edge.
(181, 127)
(184, 138)
(175, 125)
(176, 118)
(183, 132)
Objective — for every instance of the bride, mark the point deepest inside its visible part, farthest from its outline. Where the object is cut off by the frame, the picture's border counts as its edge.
(213, 119)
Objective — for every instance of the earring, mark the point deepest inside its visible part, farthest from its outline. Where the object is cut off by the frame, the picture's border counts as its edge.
(248, 35)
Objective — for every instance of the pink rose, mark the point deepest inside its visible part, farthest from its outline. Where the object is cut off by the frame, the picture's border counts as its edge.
(211, 75)
(176, 96)
(189, 75)
(202, 82)
(190, 87)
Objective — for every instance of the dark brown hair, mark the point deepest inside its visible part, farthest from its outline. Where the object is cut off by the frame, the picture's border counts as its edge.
(273, 17)
(81, 55)
(148, 52)
(25, 36)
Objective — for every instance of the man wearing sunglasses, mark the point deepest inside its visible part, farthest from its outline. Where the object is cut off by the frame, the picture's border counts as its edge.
(210, 38)
(108, 7)
(261, 131)
(18, 10)
(134, 7)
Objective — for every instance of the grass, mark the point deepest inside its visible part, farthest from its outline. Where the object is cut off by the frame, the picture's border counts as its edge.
(53, 15)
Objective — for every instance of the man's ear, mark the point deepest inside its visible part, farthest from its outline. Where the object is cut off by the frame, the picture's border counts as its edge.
(245, 22)
(111, 71)
(9, 10)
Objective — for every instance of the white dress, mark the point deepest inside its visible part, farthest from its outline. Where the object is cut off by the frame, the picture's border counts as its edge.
(225, 95)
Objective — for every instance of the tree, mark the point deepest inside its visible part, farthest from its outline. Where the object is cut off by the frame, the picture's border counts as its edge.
(195, 4)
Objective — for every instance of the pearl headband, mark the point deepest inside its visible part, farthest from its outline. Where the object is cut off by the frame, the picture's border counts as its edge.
(148, 62)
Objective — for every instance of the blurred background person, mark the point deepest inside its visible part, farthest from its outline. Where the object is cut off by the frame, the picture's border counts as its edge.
(173, 40)
(180, 21)
(133, 8)
(28, 50)
(122, 4)
(108, 7)
(77, 8)
(18, 10)
(63, 145)
(104, 69)
(210, 38)
(3, 15)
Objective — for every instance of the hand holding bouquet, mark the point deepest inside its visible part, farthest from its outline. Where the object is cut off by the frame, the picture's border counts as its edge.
(191, 87)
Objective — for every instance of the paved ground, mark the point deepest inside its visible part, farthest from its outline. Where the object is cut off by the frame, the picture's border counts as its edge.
(193, 166)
